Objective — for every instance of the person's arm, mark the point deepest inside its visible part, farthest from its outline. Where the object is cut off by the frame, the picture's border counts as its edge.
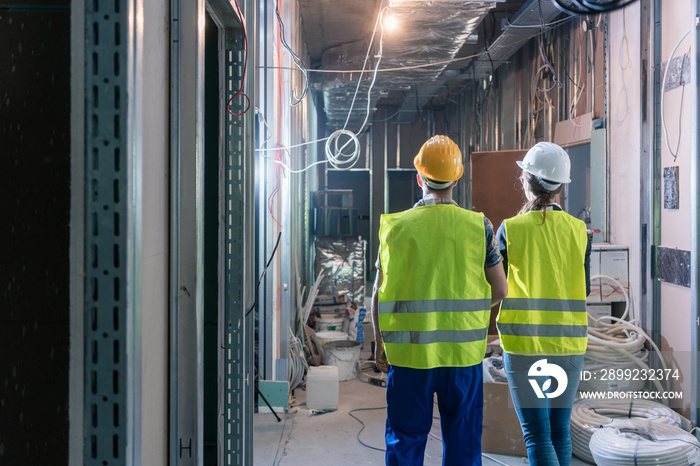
(379, 355)
(587, 266)
(495, 273)
(499, 285)
(503, 244)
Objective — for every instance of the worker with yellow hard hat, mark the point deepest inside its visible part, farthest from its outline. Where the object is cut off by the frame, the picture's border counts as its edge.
(438, 277)
(543, 322)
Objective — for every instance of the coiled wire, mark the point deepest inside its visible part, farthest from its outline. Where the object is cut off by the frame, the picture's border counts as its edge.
(641, 442)
(588, 416)
(337, 154)
(616, 343)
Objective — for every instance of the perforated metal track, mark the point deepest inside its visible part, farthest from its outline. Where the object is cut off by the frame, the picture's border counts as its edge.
(105, 237)
(237, 391)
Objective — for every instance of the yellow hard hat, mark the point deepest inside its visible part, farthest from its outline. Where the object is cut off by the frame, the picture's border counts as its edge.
(439, 159)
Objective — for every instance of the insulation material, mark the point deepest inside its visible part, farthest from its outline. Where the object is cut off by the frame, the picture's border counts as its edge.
(343, 266)
(674, 266)
(429, 32)
(671, 200)
(339, 88)
(679, 73)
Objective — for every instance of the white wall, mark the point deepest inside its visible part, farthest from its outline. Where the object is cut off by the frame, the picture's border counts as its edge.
(625, 139)
(626, 168)
(676, 316)
(155, 209)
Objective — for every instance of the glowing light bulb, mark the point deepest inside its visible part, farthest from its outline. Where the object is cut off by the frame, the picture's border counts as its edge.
(390, 23)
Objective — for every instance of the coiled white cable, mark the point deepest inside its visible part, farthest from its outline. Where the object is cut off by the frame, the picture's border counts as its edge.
(641, 442)
(587, 416)
(337, 155)
(615, 343)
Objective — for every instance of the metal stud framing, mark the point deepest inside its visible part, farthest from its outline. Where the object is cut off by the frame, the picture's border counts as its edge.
(106, 209)
(238, 328)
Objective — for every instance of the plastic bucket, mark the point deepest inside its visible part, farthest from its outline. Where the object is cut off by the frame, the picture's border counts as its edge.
(345, 355)
(330, 335)
(324, 323)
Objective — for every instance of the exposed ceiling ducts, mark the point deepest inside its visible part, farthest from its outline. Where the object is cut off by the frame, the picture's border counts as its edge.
(429, 32)
(513, 36)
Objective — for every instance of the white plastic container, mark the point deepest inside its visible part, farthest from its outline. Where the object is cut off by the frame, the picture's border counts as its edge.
(345, 355)
(322, 387)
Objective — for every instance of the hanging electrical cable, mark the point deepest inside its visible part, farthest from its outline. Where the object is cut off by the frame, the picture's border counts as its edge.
(295, 58)
(240, 92)
(663, 90)
(340, 140)
(257, 286)
(625, 64)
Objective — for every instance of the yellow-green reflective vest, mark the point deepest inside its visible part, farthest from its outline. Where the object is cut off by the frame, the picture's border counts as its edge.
(434, 302)
(545, 310)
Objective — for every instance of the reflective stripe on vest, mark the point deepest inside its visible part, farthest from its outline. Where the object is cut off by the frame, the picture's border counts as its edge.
(545, 310)
(436, 336)
(434, 302)
(432, 305)
(561, 305)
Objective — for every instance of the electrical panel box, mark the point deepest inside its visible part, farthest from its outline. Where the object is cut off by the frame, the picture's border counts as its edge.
(598, 310)
(611, 261)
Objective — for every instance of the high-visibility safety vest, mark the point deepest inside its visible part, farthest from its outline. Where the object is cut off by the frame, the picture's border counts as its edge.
(434, 301)
(545, 310)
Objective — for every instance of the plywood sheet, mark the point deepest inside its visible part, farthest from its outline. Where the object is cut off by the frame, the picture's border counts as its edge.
(496, 191)
(495, 184)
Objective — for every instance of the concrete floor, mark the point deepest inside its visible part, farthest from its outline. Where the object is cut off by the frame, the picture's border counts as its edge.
(334, 438)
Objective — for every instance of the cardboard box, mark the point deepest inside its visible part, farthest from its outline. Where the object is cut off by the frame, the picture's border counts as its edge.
(501, 428)
(613, 261)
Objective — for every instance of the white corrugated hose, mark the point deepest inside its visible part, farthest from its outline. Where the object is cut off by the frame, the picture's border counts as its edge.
(588, 416)
(640, 442)
(616, 343)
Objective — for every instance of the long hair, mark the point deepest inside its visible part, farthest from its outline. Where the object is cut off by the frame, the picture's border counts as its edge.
(542, 196)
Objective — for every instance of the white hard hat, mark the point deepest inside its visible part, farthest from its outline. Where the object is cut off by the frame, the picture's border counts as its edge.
(548, 162)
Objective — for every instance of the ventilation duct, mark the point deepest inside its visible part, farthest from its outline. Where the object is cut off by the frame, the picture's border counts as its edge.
(503, 47)
(428, 32)
(512, 38)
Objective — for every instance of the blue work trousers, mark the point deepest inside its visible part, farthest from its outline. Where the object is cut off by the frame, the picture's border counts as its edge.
(409, 397)
(545, 421)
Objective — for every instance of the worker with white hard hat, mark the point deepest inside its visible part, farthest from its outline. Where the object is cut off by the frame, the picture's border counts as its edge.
(438, 276)
(542, 323)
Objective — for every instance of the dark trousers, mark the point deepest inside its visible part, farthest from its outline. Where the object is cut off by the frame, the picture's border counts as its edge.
(460, 399)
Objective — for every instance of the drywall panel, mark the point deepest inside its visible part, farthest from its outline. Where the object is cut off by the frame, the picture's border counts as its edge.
(675, 336)
(676, 150)
(155, 208)
(624, 136)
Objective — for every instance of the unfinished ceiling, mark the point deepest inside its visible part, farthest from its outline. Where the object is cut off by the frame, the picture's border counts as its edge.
(338, 35)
